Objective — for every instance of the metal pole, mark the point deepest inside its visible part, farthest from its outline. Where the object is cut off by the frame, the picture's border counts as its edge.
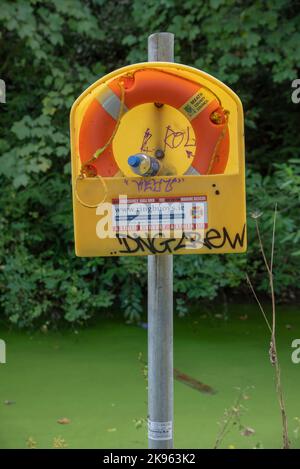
(160, 311)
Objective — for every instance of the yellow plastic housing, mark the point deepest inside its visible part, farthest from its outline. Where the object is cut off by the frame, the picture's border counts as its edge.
(225, 193)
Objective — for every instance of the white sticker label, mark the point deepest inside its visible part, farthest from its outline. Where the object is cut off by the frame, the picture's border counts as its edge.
(157, 214)
(160, 430)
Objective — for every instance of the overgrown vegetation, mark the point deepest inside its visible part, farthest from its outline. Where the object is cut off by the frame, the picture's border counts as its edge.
(271, 324)
(50, 51)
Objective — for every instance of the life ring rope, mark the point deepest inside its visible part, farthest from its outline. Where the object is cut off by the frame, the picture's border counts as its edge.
(218, 143)
(85, 204)
(84, 170)
(84, 166)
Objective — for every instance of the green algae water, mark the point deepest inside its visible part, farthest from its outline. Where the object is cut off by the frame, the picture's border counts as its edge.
(93, 378)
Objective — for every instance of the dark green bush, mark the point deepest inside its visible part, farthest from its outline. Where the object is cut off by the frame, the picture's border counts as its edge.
(49, 52)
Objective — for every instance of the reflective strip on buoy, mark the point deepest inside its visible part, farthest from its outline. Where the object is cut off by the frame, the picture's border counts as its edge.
(111, 103)
(192, 172)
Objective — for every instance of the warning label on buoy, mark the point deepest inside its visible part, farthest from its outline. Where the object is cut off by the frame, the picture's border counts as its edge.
(155, 214)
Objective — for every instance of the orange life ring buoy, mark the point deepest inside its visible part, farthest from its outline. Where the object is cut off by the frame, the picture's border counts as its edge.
(207, 117)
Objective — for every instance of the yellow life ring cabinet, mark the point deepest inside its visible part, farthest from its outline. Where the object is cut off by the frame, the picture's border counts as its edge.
(194, 120)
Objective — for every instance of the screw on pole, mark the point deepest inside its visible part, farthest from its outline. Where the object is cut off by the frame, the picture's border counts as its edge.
(160, 311)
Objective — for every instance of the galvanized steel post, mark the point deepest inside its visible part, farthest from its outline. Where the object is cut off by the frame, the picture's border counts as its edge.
(160, 311)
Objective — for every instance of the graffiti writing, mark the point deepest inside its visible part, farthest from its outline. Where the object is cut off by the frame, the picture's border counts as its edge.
(144, 147)
(213, 239)
(172, 139)
(190, 142)
(189, 154)
(155, 185)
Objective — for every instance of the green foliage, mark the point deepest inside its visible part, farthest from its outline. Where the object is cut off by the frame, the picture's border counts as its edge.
(50, 51)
